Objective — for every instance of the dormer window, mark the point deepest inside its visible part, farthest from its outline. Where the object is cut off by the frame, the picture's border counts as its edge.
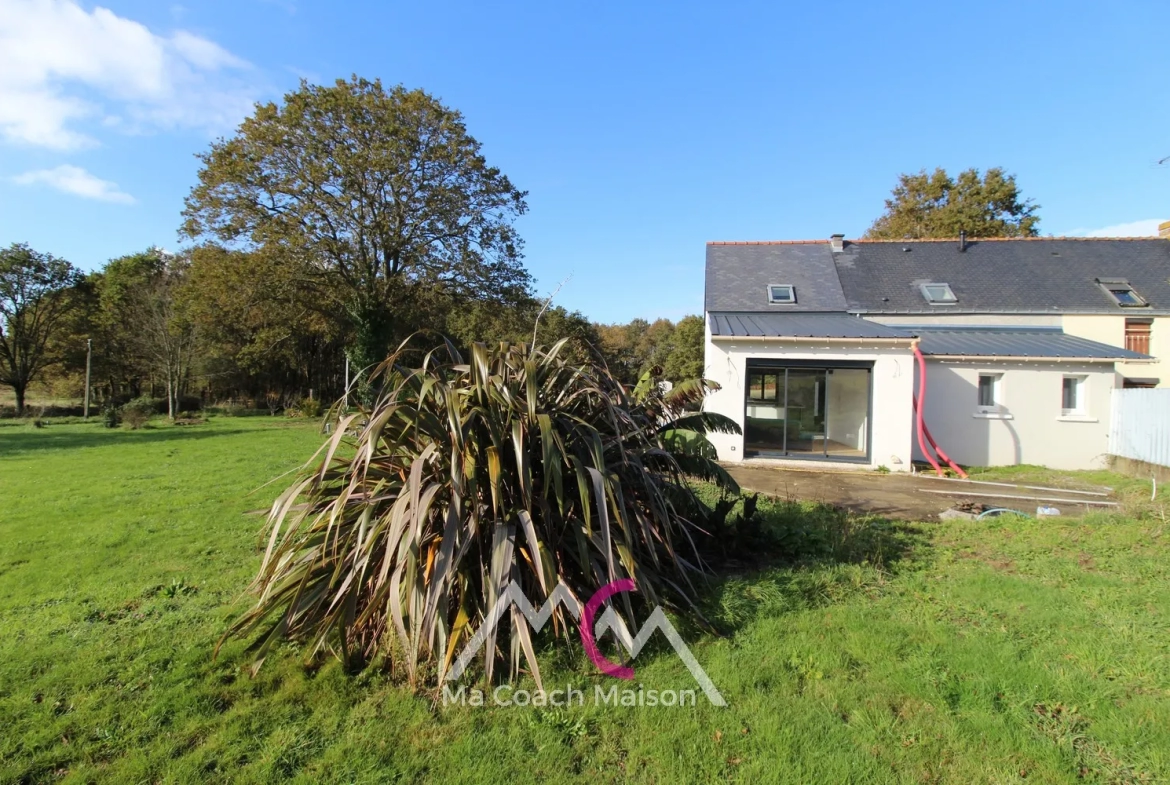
(938, 294)
(1122, 293)
(781, 294)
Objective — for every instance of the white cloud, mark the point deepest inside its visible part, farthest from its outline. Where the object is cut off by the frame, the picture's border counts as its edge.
(61, 66)
(75, 180)
(1146, 228)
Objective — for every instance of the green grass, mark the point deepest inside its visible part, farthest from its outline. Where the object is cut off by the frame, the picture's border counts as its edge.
(999, 651)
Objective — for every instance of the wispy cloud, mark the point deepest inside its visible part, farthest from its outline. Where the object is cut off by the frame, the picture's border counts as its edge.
(76, 181)
(1144, 228)
(65, 72)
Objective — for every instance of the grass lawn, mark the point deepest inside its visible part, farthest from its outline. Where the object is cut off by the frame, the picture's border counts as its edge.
(996, 651)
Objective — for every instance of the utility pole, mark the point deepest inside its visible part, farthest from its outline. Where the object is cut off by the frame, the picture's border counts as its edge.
(88, 364)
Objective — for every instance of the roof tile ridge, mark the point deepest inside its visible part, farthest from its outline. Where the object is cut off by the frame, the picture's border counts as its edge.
(972, 240)
(766, 242)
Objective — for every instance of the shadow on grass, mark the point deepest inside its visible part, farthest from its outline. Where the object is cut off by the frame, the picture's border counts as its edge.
(803, 555)
(18, 440)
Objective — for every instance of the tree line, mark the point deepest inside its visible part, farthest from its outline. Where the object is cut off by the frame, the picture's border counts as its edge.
(332, 226)
(210, 324)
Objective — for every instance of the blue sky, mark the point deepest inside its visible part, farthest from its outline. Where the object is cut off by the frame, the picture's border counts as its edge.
(640, 130)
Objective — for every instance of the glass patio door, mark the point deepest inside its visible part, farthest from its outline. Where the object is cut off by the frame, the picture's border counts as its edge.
(807, 412)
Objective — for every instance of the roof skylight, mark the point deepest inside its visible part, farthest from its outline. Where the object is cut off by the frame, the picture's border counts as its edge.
(781, 294)
(938, 293)
(1122, 293)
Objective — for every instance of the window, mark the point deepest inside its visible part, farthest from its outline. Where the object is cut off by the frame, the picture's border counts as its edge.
(1072, 395)
(1129, 383)
(990, 391)
(763, 386)
(938, 294)
(1122, 293)
(1137, 335)
(783, 294)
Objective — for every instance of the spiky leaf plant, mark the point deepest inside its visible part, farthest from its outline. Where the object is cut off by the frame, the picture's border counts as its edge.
(516, 465)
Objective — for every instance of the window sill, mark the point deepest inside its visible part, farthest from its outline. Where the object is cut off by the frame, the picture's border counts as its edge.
(1076, 418)
(993, 416)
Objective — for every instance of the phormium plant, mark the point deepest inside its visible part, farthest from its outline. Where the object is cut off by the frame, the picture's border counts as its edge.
(514, 465)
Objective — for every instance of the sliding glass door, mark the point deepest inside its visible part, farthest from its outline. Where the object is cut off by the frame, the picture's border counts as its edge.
(807, 411)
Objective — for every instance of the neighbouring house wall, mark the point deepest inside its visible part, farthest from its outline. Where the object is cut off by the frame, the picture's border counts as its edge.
(893, 377)
(1111, 330)
(1030, 428)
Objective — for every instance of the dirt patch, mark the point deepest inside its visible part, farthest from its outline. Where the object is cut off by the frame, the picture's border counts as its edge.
(897, 496)
(888, 495)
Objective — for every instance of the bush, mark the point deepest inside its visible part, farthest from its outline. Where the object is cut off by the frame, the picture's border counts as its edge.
(137, 412)
(515, 466)
(111, 415)
(308, 407)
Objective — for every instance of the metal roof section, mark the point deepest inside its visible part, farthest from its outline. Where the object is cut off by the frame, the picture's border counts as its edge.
(1022, 342)
(1029, 343)
(801, 325)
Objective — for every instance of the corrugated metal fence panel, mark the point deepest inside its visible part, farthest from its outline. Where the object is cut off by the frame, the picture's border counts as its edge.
(1140, 425)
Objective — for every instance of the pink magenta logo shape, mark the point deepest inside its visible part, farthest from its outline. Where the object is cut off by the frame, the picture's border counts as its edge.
(587, 616)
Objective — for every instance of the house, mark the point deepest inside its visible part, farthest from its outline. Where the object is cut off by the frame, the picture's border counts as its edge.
(819, 346)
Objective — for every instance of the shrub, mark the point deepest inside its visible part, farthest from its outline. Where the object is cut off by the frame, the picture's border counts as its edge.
(309, 407)
(305, 407)
(514, 466)
(111, 415)
(137, 412)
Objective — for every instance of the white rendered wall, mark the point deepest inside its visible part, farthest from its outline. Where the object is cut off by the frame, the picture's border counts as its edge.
(1031, 427)
(1111, 330)
(893, 379)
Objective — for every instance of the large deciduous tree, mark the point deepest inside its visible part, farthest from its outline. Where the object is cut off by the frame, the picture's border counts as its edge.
(936, 205)
(165, 336)
(259, 329)
(382, 194)
(35, 298)
(118, 358)
(684, 355)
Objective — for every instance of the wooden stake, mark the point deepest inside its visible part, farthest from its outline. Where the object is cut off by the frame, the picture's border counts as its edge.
(1015, 485)
(1026, 498)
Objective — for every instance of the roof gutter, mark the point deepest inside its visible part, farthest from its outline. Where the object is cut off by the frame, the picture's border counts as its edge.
(809, 339)
(1027, 358)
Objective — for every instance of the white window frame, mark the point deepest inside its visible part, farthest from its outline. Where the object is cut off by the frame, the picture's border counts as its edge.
(996, 408)
(948, 299)
(1081, 390)
(790, 300)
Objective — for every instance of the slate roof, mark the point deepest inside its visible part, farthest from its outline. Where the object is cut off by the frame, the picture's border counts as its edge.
(1040, 275)
(738, 276)
(800, 325)
(1033, 342)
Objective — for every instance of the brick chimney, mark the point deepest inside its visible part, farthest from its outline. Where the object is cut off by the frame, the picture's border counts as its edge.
(1164, 230)
(837, 241)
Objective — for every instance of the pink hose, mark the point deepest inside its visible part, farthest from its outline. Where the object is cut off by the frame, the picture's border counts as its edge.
(919, 425)
(922, 430)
